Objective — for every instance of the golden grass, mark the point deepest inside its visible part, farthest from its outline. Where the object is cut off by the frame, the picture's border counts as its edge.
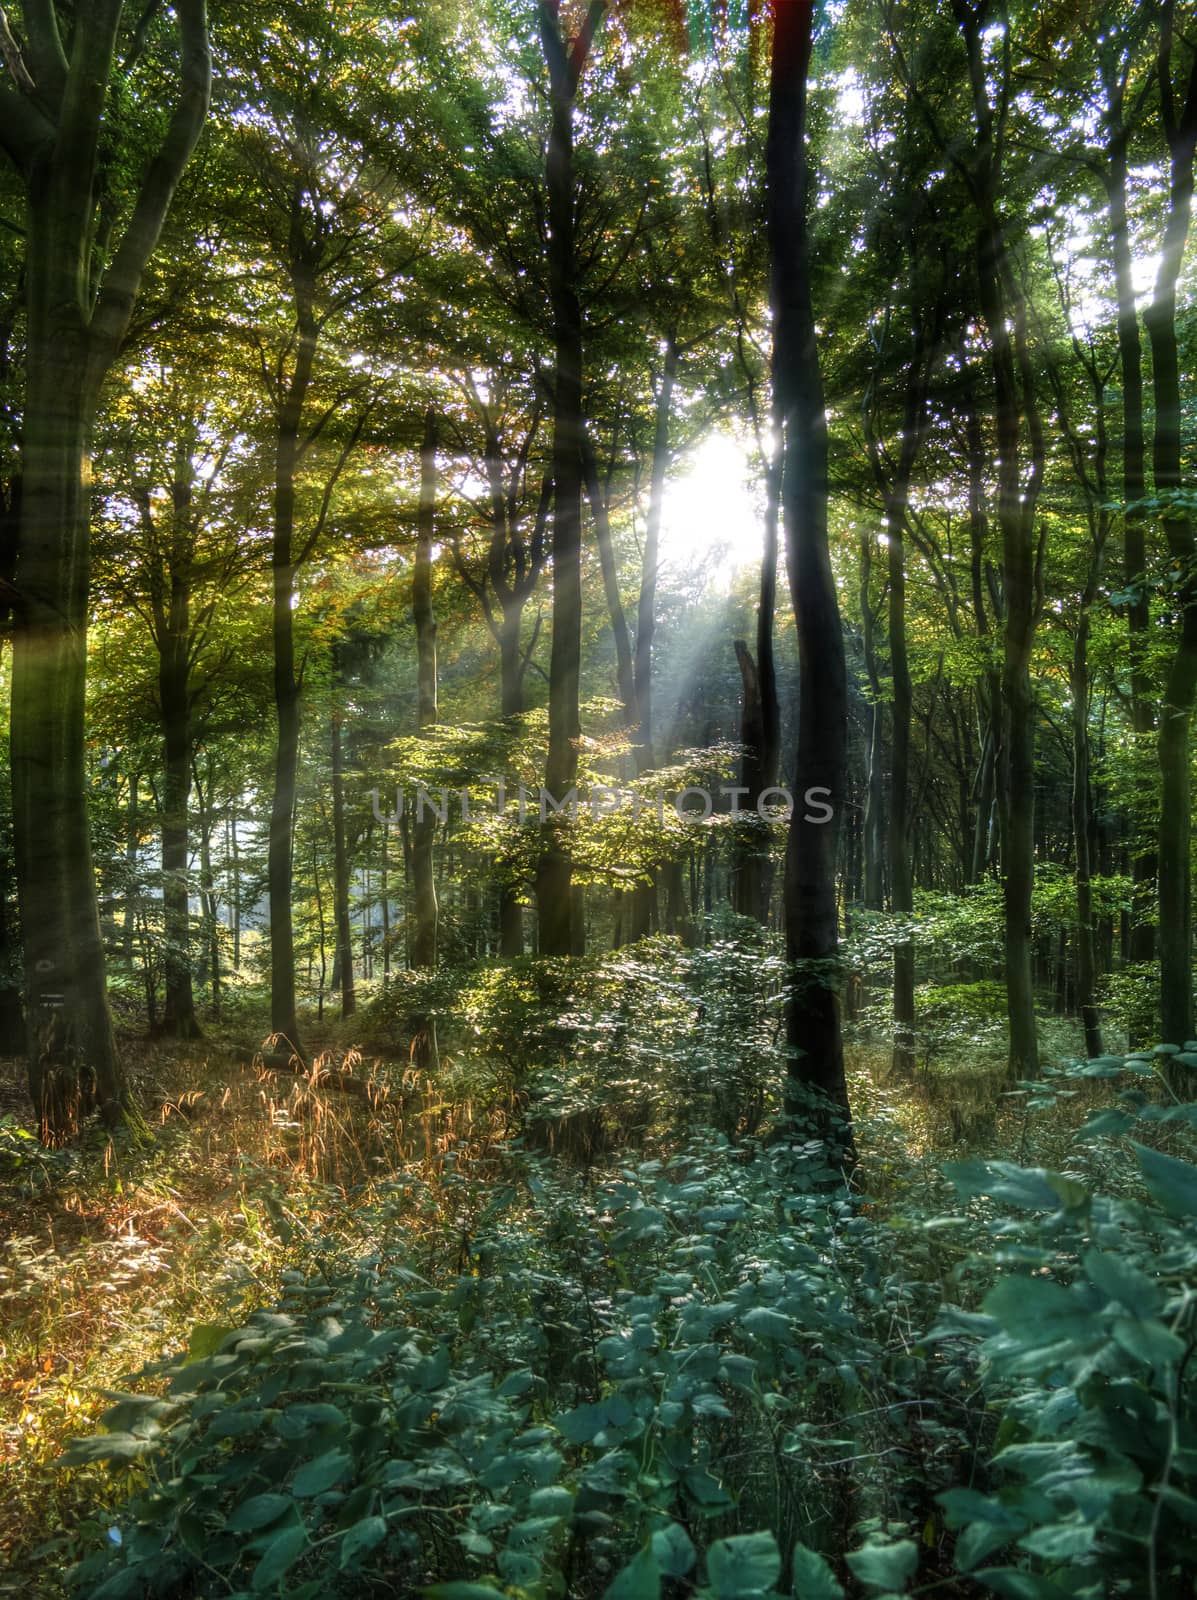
(111, 1256)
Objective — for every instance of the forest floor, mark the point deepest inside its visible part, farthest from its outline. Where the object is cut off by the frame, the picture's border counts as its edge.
(112, 1257)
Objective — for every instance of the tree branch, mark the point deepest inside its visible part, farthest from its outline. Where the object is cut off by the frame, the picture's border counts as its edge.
(46, 51)
(10, 51)
(114, 306)
(24, 130)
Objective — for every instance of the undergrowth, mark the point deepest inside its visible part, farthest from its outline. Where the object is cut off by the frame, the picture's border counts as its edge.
(505, 1329)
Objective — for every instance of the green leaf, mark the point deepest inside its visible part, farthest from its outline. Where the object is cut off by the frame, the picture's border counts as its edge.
(433, 1372)
(516, 1384)
(1040, 1312)
(1028, 1188)
(363, 1537)
(314, 1477)
(1013, 1584)
(279, 1556)
(639, 1580)
(1064, 1541)
(103, 1447)
(462, 1591)
(743, 1566)
(551, 1502)
(204, 1340)
(813, 1578)
(766, 1324)
(885, 1566)
(1171, 1183)
(978, 1540)
(674, 1550)
(584, 1423)
(259, 1511)
(1123, 1282)
(1148, 1341)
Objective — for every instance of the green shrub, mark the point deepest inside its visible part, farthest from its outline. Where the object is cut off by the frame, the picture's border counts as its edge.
(714, 1344)
(1085, 1343)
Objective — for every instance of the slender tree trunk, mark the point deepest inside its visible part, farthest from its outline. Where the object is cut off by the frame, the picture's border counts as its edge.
(895, 489)
(132, 841)
(385, 889)
(12, 1015)
(760, 734)
(901, 883)
(207, 887)
(280, 851)
(235, 852)
(1086, 964)
(816, 1089)
(367, 908)
(1175, 846)
(555, 902)
(644, 896)
(343, 931)
(178, 1007)
(646, 610)
(511, 688)
(1143, 858)
(1003, 309)
(873, 826)
(427, 910)
(750, 852)
(989, 687)
(321, 934)
(625, 661)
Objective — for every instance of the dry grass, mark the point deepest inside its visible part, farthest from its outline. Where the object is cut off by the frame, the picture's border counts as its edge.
(111, 1256)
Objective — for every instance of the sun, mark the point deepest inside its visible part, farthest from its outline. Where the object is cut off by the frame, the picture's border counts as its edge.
(711, 518)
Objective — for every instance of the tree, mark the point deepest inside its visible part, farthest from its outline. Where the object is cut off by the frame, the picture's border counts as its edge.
(423, 835)
(1175, 840)
(172, 554)
(322, 204)
(558, 912)
(1016, 417)
(816, 1089)
(82, 281)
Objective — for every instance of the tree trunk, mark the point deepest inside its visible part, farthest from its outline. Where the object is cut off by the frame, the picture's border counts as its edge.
(816, 1092)
(752, 876)
(1138, 621)
(1175, 849)
(280, 850)
(207, 886)
(320, 933)
(644, 896)
(1086, 964)
(235, 852)
(895, 490)
(555, 902)
(178, 1007)
(73, 335)
(989, 686)
(901, 883)
(343, 930)
(646, 610)
(385, 890)
(1003, 310)
(625, 661)
(427, 910)
(12, 1015)
(73, 1062)
(873, 826)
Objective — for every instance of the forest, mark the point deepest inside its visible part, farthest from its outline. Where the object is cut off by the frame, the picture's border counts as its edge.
(598, 648)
